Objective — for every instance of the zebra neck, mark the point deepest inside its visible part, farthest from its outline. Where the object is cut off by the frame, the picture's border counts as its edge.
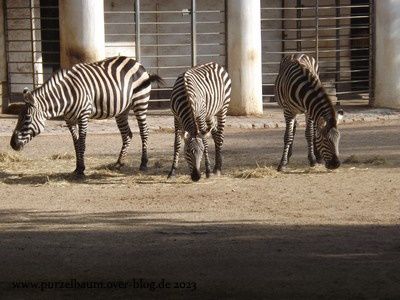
(321, 107)
(51, 107)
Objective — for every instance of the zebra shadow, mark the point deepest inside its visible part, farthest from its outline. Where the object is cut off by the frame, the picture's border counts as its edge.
(58, 178)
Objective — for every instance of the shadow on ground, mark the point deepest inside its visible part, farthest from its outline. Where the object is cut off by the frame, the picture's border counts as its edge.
(241, 260)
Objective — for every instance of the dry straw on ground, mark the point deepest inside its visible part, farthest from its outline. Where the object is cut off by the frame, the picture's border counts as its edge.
(259, 172)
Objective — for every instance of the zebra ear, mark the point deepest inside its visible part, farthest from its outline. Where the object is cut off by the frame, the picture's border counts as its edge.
(205, 135)
(340, 114)
(321, 123)
(186, 135)
(28, 98)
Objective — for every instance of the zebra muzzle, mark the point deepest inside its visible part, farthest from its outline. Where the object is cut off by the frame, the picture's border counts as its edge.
(332, 164)
(16, 143)
(196, 175)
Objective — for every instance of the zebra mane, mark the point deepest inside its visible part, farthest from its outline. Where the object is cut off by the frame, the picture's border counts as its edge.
(312, 75)
(56, 76)
(186, 80)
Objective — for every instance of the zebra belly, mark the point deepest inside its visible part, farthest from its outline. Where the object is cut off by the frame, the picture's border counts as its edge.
(108, 109)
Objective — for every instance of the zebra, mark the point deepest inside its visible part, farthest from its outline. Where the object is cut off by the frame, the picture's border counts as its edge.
(99, 90)
(199, 95)
(299, 90)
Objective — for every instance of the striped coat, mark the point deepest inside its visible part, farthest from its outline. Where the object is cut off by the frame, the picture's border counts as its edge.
(99, 90)
(200, 95)
(299, 90)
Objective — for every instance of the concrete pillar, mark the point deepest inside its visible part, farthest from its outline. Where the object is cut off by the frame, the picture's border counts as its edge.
(81, 31)
(387, 62)
(244, 56)
(3, 62)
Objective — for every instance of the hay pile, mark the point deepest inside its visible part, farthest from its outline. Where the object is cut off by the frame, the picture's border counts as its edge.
(259, 172)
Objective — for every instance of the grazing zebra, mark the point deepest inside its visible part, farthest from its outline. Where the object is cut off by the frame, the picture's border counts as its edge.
(299, 90)
(100, 90)
(200, 94)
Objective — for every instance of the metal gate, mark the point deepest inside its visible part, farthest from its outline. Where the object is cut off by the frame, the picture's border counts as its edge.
(338, 33)
(165, 36)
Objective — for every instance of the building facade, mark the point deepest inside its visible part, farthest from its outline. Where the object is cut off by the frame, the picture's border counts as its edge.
(249, 37)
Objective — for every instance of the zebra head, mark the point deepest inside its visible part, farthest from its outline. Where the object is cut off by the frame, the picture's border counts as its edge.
(327, 141)
(194, 149)
(30, 122)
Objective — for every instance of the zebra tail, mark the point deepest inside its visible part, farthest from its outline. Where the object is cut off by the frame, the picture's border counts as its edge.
(148, 81)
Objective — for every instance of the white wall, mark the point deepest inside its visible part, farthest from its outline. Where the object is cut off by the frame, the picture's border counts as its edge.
(387, 80)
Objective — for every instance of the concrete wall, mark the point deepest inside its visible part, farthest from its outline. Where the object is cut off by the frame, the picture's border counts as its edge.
(244, 57)
(81, 31)
(387, 80)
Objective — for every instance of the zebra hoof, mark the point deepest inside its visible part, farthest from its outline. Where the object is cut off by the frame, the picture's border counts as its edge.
(208, 174)
(78, 175)
(118, 166)
(281, 168)
(143, 168)
(217, 172)
(171, 174)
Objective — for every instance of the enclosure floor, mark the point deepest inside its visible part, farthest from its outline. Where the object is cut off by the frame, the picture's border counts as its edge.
(253, 233)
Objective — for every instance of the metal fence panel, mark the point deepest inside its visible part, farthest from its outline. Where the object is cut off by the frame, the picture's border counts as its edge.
(163, 36)
(338, 33)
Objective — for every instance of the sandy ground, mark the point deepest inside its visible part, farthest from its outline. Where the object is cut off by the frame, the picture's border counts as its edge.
(252, 233)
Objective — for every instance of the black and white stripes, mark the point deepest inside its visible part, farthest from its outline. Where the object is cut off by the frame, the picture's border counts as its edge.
(299, 90)
(104, 89)
(199, 95)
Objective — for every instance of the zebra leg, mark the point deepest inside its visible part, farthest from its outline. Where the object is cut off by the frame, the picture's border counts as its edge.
(81, 146)
(288, 139)
(206, 158)
(140, 111)
(218, 136)
(318, 156)
(310, 141)
(177, 147)
(75, 137)
(291, 145)
(126, 134)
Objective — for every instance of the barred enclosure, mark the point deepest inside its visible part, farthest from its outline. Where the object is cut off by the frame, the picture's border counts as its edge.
(167, 38)
(338, 33)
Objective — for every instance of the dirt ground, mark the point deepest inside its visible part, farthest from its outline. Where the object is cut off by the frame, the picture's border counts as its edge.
(252, 233)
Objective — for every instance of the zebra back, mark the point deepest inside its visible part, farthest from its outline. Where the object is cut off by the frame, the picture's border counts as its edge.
(200, 93)
(299, 88)
(105, 88)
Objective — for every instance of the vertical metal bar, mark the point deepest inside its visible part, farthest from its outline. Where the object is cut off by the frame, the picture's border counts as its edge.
(337, 73)
(372, 53)
(283, 27)
(6, 99)
(226, 33)
(137, 29)
(298, 25)
(317, 31)
(32, 42)
(193, 33)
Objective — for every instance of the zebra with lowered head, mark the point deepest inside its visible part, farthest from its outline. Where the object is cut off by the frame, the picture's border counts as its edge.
(99, 90)
(300, 91)
(198, 96)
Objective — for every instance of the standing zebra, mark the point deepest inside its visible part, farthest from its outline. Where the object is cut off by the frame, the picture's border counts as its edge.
(100, 90)
(200, 94)
(299, 90)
